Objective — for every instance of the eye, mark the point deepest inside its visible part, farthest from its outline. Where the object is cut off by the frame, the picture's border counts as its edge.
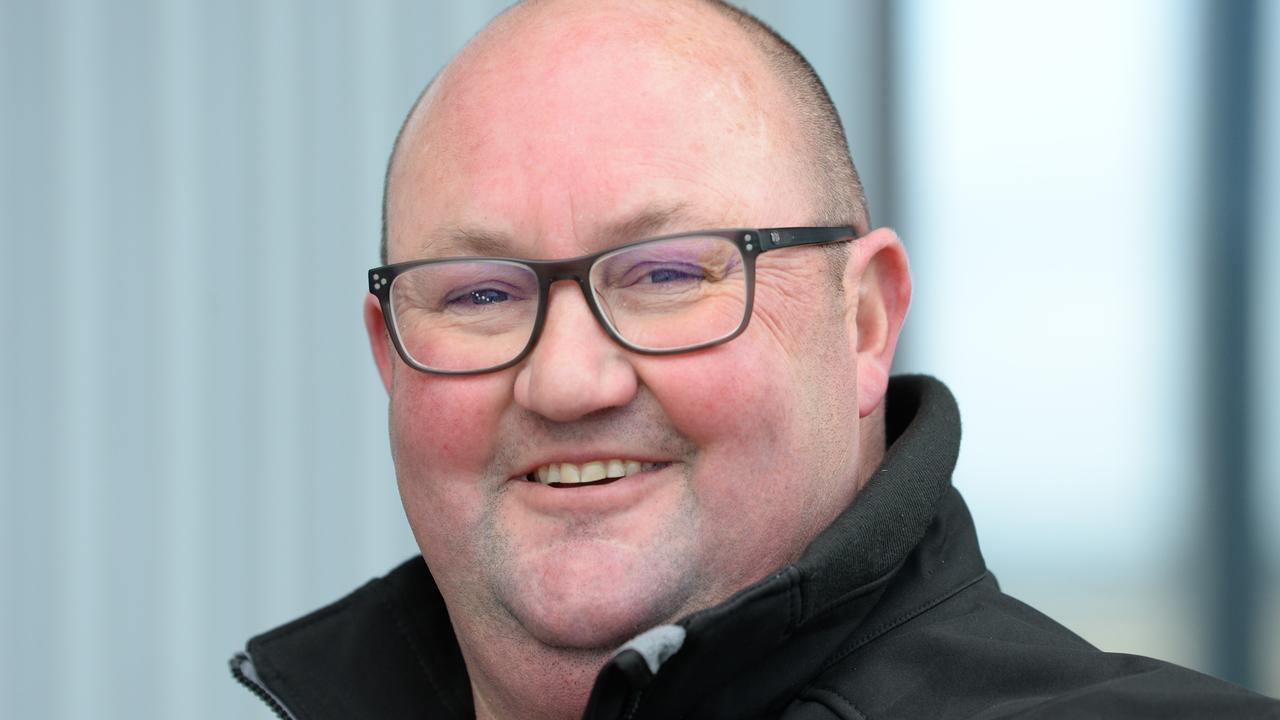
(476, 299)
(645, 274)
(670, 274)
(485, 296)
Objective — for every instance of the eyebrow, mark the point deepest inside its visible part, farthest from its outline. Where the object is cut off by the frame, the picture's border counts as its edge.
(650, 221)
(464, 241)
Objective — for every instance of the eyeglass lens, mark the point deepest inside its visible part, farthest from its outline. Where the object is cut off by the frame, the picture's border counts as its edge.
(661, 295)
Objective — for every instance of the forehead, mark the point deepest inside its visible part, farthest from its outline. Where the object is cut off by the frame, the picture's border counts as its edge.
(478, 240)
(545, 138)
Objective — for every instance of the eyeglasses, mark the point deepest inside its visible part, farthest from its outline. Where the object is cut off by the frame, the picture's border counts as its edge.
(670, 294)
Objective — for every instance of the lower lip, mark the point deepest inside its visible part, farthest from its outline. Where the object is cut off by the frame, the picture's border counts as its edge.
(586, 499)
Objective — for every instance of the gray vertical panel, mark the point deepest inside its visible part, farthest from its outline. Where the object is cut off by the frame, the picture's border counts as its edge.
(342, 282)
(1227, 389)
(113, 336)
(31, 467)
(277, 337)
(216, 348)
(1266, 328)
(183, 486)
(326, 294)
(383, 534)
(11, 491)
(226, 298)
(75, 330)
(375, 512)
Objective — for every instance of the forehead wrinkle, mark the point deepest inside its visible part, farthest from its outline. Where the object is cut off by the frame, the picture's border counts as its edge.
(649, 221)
(464, 241)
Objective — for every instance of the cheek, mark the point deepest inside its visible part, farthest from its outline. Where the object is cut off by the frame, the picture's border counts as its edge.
(719, 397)
(741, 416)
(442, 438)
(448, 421)
(773, 416)
(762, 390)
(743, 407)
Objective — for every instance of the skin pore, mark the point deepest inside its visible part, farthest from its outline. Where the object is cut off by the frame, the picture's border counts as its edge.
(563, 128)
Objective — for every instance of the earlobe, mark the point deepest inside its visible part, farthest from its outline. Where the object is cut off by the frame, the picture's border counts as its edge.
(379, 341)
(878, 288)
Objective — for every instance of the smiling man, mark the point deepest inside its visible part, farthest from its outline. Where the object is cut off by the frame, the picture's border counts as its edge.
(636, 333)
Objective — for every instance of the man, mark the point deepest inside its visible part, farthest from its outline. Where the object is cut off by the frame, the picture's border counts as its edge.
(650, 463)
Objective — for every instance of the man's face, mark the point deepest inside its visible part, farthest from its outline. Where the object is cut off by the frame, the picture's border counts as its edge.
(561, 144)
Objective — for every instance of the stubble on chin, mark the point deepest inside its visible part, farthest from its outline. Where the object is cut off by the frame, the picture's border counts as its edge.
(586, 592)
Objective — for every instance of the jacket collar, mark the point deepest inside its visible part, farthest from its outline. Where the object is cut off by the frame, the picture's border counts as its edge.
(752, 653)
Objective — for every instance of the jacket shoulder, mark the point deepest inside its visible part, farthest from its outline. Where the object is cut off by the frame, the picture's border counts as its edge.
(367, 654)
(982, 654)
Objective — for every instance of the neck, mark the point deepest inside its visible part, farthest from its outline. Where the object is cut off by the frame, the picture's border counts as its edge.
(543, 686)
(871, 445)
(513, 676)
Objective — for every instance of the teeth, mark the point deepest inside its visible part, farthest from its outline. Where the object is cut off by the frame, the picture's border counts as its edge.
(592, 472)
(569, 473)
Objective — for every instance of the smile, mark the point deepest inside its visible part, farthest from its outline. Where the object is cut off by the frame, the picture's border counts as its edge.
(594, 472)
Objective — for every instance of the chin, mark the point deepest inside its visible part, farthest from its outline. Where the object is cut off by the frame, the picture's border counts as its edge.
(596, 597)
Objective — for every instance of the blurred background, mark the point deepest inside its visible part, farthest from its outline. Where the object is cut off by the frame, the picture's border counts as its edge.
(192, 436)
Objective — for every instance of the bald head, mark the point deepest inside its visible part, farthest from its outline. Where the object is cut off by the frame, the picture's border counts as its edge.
(818, 138)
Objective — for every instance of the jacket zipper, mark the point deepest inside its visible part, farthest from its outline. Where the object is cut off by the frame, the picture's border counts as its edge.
(257, 688)
(634, 707)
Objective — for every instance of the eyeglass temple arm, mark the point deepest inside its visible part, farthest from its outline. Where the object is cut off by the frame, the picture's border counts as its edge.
(771, 238)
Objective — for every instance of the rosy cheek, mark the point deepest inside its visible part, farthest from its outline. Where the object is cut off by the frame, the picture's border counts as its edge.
(722, 398)
(739, 414)
(449, 421)
(443, 432)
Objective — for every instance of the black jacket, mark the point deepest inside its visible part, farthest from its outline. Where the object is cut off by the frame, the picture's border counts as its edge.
(890, 613)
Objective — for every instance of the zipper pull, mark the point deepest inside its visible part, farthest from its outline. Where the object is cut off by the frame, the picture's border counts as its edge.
(620, 684)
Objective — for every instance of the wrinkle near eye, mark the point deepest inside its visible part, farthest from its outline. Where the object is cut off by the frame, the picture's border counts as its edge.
(793, 297)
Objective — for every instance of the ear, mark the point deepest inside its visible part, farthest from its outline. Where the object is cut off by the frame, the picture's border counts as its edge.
(379, 340)
(877, 288)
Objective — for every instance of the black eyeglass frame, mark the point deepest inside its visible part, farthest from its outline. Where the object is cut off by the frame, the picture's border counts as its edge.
(750, 242)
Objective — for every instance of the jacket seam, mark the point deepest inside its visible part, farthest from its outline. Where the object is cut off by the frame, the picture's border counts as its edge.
(815, 695)
(898, 620)
(862, 591)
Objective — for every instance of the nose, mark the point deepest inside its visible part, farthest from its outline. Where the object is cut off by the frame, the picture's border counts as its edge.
(576, 368)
